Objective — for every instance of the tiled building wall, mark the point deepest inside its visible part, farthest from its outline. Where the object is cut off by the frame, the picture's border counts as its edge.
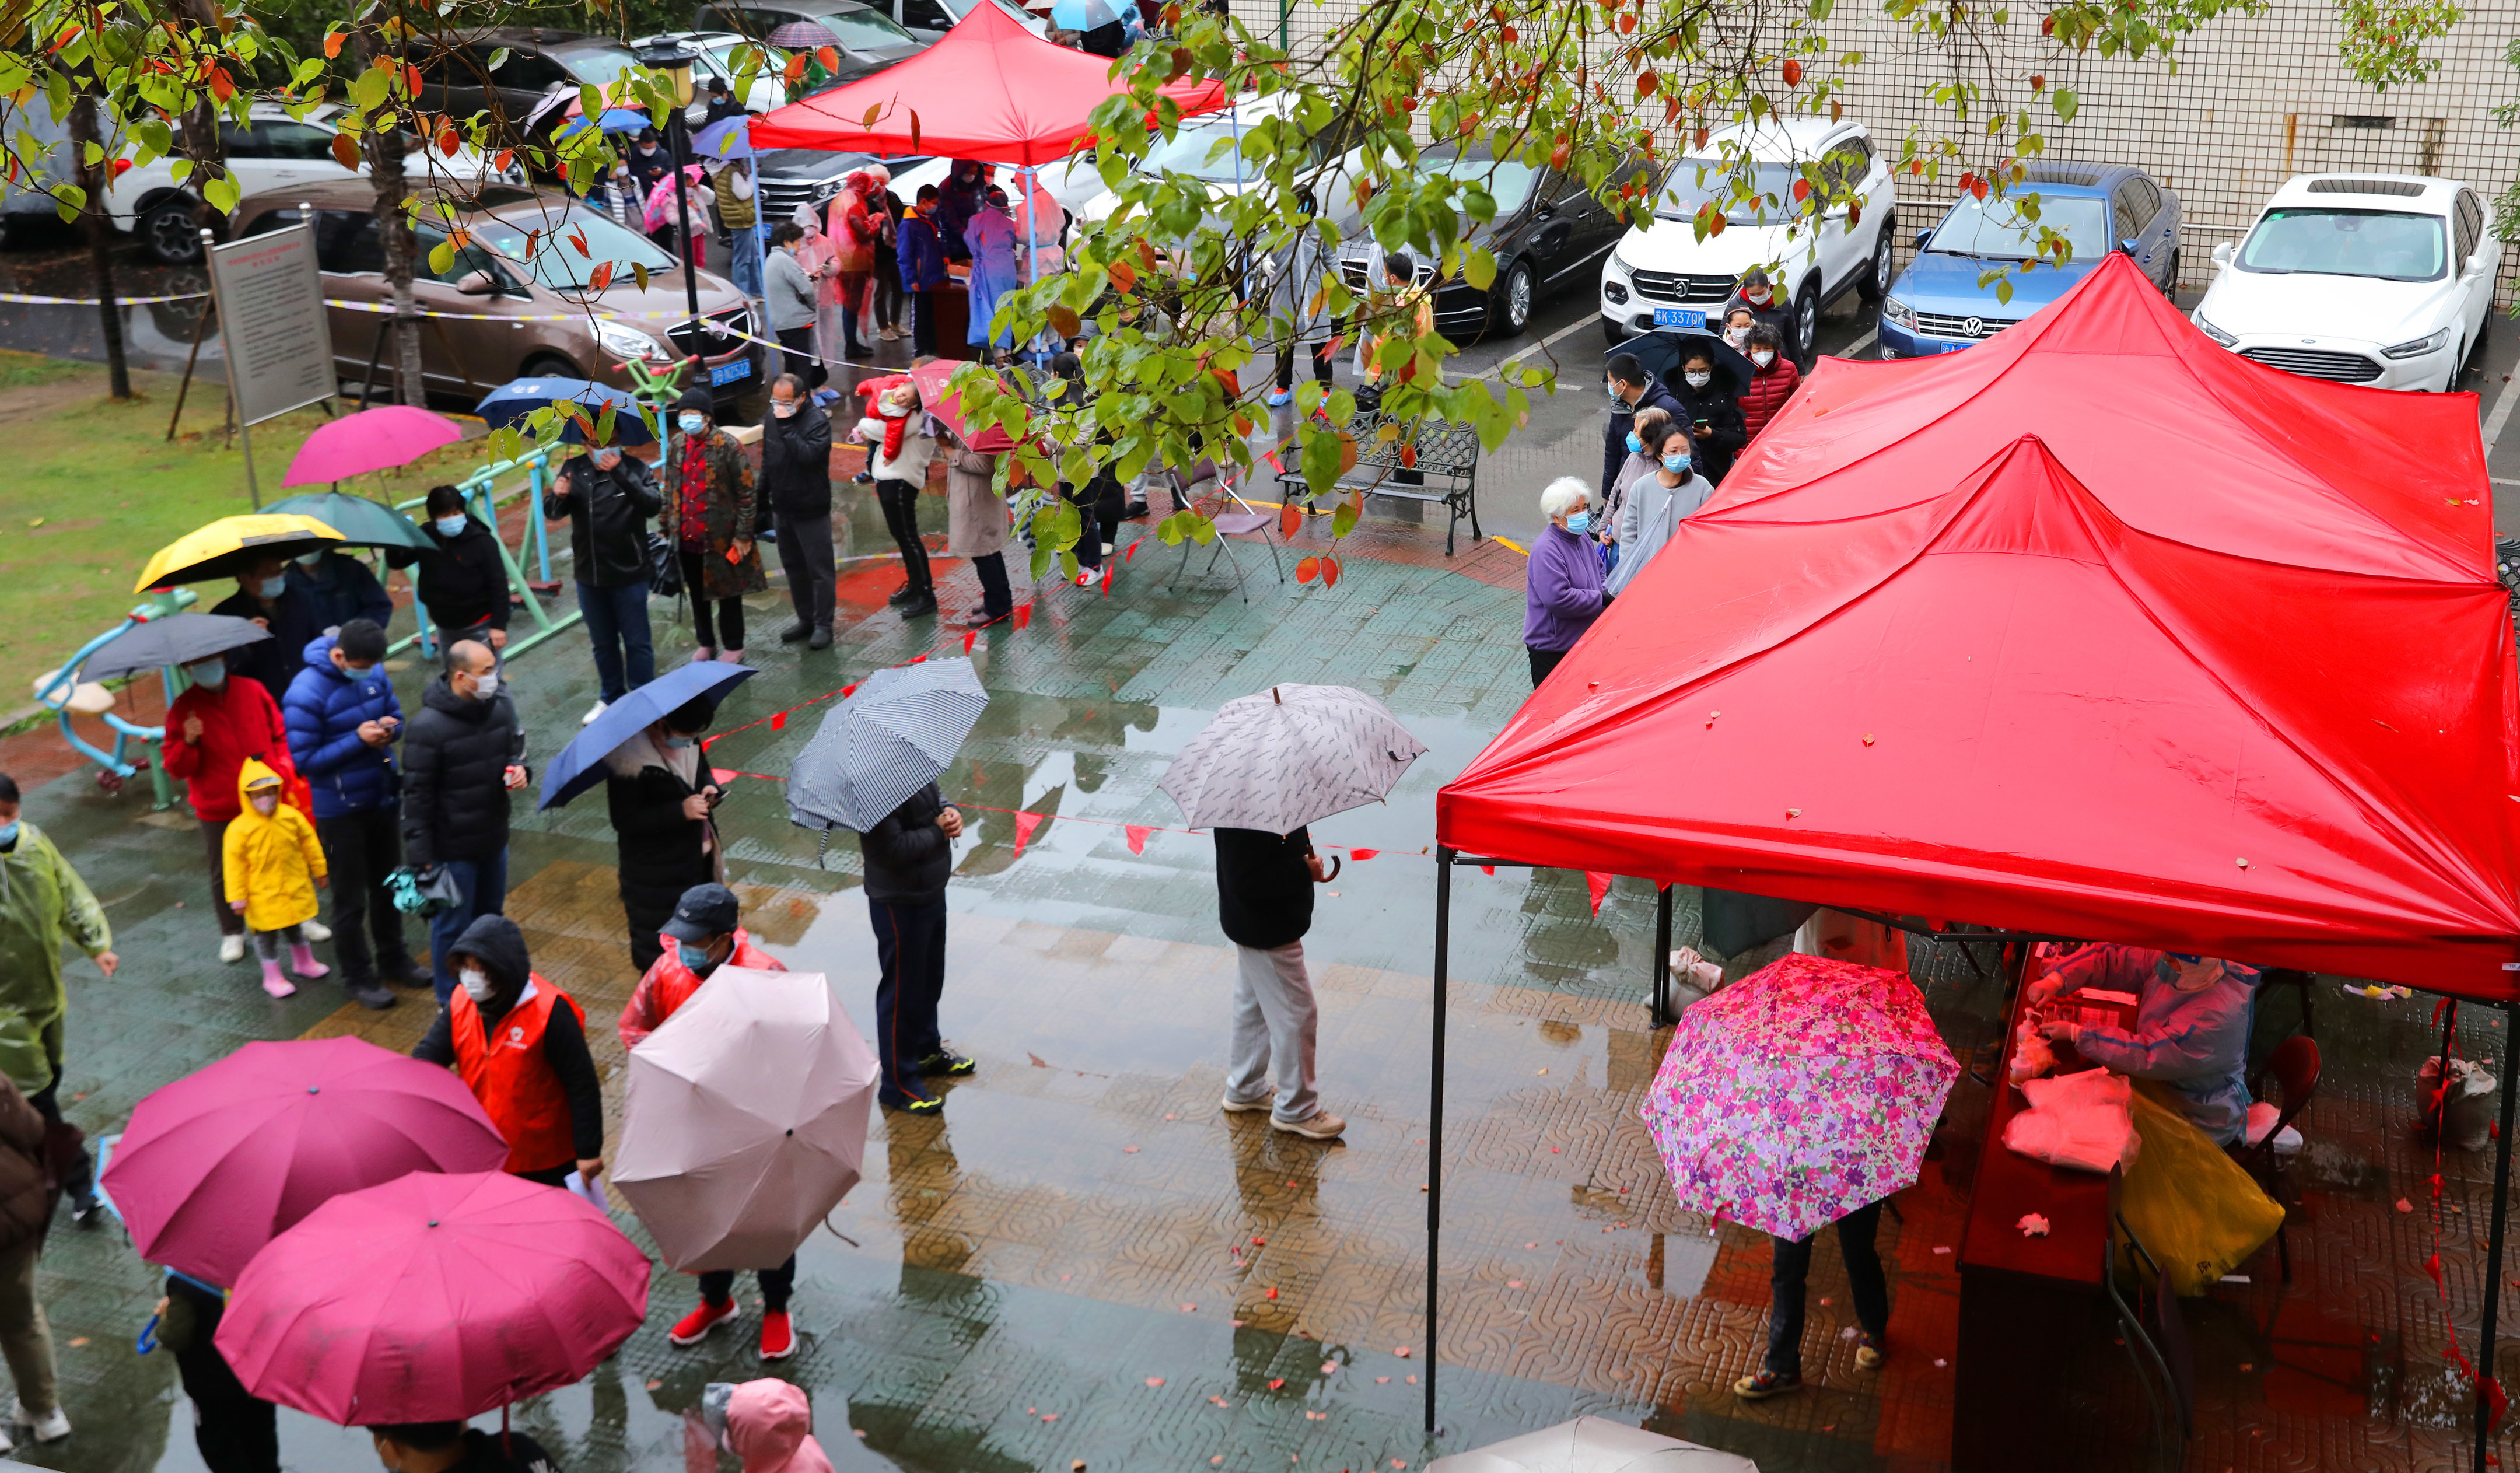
(2253, 102)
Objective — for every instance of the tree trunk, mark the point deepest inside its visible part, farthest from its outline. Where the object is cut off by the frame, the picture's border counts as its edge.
(92, 177)
(384, 155)
(200, 139)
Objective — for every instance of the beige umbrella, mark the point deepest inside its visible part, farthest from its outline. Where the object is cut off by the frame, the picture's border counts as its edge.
(746, 1119)
(1593, 1445)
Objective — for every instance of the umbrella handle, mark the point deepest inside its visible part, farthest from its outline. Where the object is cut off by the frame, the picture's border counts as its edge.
(147, 1340)
(1335, 870)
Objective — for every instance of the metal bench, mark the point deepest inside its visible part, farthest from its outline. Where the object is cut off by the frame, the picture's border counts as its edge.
(1447, 468)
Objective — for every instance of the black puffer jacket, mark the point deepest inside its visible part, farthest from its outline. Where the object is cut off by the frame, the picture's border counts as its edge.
(796, 461)
(1717, 405)
(908, 858)
(1264, 892)
(660, 849)
(455, 759)
(462, 583)
(608, 513)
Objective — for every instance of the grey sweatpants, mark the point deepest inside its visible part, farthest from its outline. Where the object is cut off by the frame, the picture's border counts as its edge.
(1274, 1017)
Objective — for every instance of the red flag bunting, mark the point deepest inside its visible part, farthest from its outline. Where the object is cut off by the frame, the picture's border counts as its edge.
(1023, 615)
(1138, 837)
(1025, 823)
(970, 637)
(1363, 854)
(919, 659)
(1599, 885)
(778, 720)
(722, 775)
(1132, 552)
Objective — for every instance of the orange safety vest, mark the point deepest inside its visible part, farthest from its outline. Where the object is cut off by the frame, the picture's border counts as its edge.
(675, 982)
(507, 1073)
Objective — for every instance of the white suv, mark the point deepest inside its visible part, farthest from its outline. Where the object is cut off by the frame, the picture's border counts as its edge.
(271, 151)
(1662, 276)
(2385, 280)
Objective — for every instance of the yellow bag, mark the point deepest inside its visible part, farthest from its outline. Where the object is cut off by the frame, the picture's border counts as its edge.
(2194, 1208)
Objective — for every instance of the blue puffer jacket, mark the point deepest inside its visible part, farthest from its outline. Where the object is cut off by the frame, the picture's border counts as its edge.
(324, 710)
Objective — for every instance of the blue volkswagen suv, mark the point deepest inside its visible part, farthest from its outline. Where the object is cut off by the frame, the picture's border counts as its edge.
(1938, 306)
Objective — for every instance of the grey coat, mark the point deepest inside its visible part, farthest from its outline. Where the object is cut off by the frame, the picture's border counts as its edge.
(787, 292)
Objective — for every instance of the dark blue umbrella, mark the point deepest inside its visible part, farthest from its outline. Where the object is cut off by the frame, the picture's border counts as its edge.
(509, 403)
(580, 764)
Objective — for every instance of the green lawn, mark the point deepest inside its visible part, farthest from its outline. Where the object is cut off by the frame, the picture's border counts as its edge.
(95, 487)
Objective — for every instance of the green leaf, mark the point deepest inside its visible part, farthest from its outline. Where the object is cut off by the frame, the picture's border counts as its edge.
(368, 89)
(222, 192)
(2065, 103)
(1342, 520)
(1480, 270)
(498, 59)
(440, 257)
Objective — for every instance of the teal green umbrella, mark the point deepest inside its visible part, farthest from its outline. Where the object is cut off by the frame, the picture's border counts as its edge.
(360, 521)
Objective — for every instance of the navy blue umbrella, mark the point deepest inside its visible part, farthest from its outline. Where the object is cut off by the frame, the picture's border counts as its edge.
(509, 403)
(580, 764)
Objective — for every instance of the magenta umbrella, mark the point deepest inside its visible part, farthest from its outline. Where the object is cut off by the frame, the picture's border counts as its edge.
(215, 1164)
(373, 439)
(433, 1299)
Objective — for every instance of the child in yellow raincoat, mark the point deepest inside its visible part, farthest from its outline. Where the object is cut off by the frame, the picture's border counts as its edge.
(274, 865)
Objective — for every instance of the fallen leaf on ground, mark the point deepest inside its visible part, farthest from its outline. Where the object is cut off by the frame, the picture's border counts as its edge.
(1412, 1380)
(1129, 1150)
(1273, 1293)
(1383, 1380)
(1189, 1309)
(1278, 1383)
(1155, 1381)
(1219, 1400)
(1939, 1248)
(1038, 1061)
(1516, 1283)
(80, 1341)
(2406, 1206)
(1317, 1416)
(1401, 1351)
(653, 1385)
(1329, 1367)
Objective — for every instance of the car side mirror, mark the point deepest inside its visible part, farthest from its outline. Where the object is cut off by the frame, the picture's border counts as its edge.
(2127, 246)
(1924, 235)
(477, 284)
(2223, 255)
(1545, 212)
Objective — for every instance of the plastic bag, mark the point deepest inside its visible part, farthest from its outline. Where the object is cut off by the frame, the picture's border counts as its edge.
(2078, 1121)
(2470, 1107)
(22, 1052)
(2194, 1208)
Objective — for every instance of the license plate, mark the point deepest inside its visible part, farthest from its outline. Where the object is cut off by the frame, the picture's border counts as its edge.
(1679, 316)
(728, 373)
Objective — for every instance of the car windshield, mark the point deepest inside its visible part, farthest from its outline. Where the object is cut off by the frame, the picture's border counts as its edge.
(865, 29)
(598, 64)
(1187, 153)
(2388, 244)
(1693, 182)
(1507, 181)
(2002, 230)
(557, 262)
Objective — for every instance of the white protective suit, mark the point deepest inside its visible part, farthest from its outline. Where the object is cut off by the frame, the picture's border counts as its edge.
(2197, 1042)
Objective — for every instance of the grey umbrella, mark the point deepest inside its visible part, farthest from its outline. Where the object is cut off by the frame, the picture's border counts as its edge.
(884, 742)
(175, 640)
(1288, 756)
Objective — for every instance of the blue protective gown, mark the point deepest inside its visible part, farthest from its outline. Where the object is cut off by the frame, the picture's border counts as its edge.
(2197, 1042)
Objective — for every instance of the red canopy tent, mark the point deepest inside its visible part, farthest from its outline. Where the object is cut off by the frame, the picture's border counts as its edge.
(991, 90)
(2095, 629)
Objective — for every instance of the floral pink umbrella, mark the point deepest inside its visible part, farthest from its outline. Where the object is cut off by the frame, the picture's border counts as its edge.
(373, 439)
(1799, 1094)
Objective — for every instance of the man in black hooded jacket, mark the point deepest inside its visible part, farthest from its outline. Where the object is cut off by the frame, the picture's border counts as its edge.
(909, 857)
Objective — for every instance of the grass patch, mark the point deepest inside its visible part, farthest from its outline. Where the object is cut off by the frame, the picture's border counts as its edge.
(95, 487)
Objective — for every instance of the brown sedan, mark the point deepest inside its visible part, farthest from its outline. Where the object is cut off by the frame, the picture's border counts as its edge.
(500, 314)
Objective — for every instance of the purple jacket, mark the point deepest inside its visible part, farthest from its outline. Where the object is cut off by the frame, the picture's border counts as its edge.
(1562, 591)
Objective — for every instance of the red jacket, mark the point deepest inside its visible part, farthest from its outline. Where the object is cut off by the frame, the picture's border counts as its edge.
(669, 984)
(1770, 388)
(509, 1075)
(238, 720)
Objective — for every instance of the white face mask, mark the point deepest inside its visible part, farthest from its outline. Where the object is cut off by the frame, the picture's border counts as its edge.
(476, 983)
(485, 685)
(1699, 380)
(1761, 357)
(1736, 335)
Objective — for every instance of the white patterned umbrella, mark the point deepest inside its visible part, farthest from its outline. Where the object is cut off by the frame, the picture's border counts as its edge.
(884, 742)
(1593, 1445)
(1288, 756)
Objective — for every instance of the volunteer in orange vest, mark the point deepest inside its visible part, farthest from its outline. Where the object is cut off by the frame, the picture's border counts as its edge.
(701, 937)
(521, 1044)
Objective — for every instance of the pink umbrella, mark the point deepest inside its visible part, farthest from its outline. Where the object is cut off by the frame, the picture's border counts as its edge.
(216, 1163)
(433, 1299)
(1799, 1094)
(373, 439)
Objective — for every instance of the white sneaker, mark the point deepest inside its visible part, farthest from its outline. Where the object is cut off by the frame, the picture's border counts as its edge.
(315, 930)
(591, 712)
(232, 949)
(52, 1427)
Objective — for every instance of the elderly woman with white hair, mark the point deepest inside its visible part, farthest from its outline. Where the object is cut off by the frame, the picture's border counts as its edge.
(1562, 591)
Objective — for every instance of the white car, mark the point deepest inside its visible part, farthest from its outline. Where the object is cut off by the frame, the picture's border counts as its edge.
(2385, 280)
(271, 151)
(1662, 276)
(1187, 151)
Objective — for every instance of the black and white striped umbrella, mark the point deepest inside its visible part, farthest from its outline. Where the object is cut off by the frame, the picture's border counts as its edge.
(888, 741)
(1288, 756)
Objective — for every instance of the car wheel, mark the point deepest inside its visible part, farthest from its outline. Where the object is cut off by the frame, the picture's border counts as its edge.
(2170, 279)
(1879, 276)
(549, 366)
(1806, 323)
(172, 232)
(1509, 309)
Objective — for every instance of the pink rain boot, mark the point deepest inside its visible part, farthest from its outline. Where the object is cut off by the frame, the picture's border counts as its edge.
(276, 984)
(301, 960)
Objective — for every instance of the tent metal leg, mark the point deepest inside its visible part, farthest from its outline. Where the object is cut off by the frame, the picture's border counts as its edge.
(2486, 1344)
(1435, 1108)
(1659, 1008)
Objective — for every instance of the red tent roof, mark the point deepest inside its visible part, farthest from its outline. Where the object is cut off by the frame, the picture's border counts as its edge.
(990, 90)
(2096, 629)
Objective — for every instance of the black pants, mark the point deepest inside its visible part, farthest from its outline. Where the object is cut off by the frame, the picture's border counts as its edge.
(647, 916)
(1089, 538)
(1864, 1281)
(549, 1176)
(805, 555)
(730, 611)
(717, 1287)
(888, 288)
(900, 503)
(215, 836)
(362, 849)
(797, 356)
(997, 598)
(909, 950)
(923, 322)
(1541, 662)
(77, 1175)
(1320, 355)
(236, 1431)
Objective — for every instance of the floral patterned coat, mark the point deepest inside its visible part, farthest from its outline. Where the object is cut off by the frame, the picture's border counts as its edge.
(730, 512)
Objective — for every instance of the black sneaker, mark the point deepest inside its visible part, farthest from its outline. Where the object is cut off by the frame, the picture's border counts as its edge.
(931, 1106)
(83, 1207)
(370, 995)
(921, 608)
(822, 640)
(944, 1065)
(795, 632)
(407, 974)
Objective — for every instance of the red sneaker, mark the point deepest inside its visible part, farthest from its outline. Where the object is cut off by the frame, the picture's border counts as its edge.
(777, 1336)
(695, 1325)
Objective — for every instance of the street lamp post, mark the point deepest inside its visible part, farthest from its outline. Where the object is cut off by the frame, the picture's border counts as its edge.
(671, 57)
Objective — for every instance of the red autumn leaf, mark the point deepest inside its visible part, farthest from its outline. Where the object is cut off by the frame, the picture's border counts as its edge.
(448, 142)
(1565, 151)
(332, 44)
(1627, 24)
(1330, 572)
(2047, 26)
(1854, 212)
(1510, 35)
(1793, 72)
(345, 151)
(1408, 456)
(220, 87)
(2038, 83)
(1291, 520)
(1702, 135)
(874, 111)
(507, 157)
(1979, 189)
(1304, 574)
(411, 81)
(577, 238)
(600, 277)
(1802, 188)
(121, 166)
(1647, 84)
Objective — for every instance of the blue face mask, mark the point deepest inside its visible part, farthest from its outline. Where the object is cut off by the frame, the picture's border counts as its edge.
(450, 526)
(1580, 523)
(695, 958)
(1677, 465)
(1635, 445)
(8, 833)
(678, 744)
(693, 424)
(210, 675)
(273, 588)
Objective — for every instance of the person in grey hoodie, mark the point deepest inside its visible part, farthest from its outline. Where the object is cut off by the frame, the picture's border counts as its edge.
(788, 294)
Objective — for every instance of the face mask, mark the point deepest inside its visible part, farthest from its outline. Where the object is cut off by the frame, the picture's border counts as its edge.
(695, 958)
(1635, 445)
(485, 685)
(1758, 298)
(1762, 357)
(209, 675)
(1580, 523)
(1699, 380)
(8, 833)
(1677, 465)
(678, 744)
(476, 983)
(2193, 979)
(605, 460)
(273, 588)
(310, 559)
(449, 526)
(1736, 335)
(358, 672)
(266, 804)
(692, 423)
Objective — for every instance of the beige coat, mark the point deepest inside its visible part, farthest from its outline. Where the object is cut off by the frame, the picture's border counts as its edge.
(975, 514)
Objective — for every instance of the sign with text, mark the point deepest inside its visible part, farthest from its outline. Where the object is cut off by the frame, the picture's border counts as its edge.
(271, 321)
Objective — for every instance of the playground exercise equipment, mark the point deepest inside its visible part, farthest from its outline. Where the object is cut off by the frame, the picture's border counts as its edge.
(64, 694)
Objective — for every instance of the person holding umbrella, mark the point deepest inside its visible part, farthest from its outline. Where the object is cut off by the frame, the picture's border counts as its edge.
(464, 583)
(453, 1447)
(520, 1045)
(43, 902)
(264, 595)
(609, 498)
(663, 800)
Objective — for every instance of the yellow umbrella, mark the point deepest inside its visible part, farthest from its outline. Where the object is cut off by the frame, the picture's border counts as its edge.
(227, 546)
